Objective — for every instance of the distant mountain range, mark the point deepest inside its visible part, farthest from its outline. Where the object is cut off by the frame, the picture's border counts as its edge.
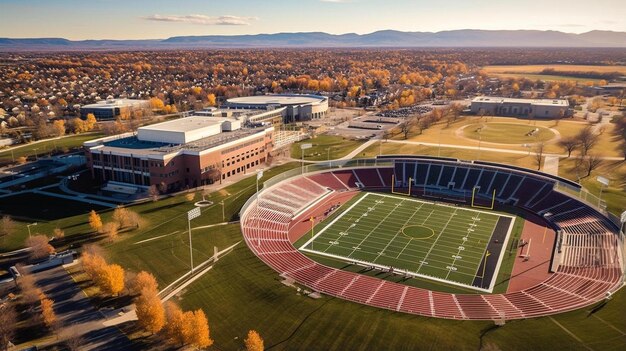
(385, 38)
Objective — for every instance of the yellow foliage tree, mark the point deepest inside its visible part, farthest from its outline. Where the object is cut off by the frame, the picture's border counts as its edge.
(93, 264)
(156, 103)
(90, 122)
(111, 229)
(121, 216)
(111, 281)
(47, 312)
(201, 334)
(254, 341)
(150, 311)
(211, 99)
(59, 127)
(79, 125)
(144, 282)
(178, 327)
(95, 222)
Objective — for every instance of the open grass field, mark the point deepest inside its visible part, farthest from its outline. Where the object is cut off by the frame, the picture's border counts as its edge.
(322, 145)
(556, 67)
(451, 134)
(48, 146)
(508, 133)
(533, 72)
(435, 241)
(242, 293)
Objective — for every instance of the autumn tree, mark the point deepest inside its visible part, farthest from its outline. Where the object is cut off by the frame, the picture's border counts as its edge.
(150, 311)
(111, 281)
(190, 197)
(21, 160)
(211, 99)
(59, 127)
(47, 312)
(95, 222)
(90, 122)
(39, 246)
(178, 327)
(254, 341)
(111, 229)
(143, 281)
(201, 336)
(93, 263)
(28, 288)
(121, 217)
(8, 324)
(569, 144)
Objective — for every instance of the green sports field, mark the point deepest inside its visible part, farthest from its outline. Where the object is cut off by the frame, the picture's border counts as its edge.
(418, 238)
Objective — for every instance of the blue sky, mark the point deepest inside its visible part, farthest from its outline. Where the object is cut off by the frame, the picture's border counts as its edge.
(143, 19)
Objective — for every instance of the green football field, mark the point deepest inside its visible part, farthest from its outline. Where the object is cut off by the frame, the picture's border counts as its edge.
(417, 238)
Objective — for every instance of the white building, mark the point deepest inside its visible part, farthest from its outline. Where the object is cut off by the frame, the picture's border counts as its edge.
(112, 108)
(296, 107)
(532, 108)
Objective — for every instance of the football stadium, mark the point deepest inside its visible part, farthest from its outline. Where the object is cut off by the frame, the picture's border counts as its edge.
(437, 237)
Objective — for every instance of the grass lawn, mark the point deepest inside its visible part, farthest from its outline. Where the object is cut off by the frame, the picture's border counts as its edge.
(161, 217)
(339, 147)
(546, 77)
(242, 293)
(534, 71)
(507, 133)
(556, 67)
(448, 134)
(48, 146)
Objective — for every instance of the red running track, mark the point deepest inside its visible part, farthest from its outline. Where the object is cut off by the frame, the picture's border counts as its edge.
(590, 265)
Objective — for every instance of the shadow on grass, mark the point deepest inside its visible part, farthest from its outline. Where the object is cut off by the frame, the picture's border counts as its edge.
(160, 208)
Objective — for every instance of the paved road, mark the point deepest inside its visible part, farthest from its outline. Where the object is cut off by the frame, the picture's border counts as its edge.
(77, 314)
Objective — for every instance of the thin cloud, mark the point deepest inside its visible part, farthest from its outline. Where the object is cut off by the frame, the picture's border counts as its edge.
(337, 1)
(226, 20)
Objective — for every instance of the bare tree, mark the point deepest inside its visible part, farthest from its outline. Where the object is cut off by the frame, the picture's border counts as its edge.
(406, 126)
(539, 155)
(589, 163)
(569, 144)
(587, 139)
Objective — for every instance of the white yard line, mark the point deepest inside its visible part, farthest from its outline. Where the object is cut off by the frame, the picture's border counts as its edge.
(433, 245)
(463, 244)
(398, 232)
(333, 222)
(376, 227)
(407, 244)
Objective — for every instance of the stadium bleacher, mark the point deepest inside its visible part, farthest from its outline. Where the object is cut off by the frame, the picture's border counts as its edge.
(590, 265)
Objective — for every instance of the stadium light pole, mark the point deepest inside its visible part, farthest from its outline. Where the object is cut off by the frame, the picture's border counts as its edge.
(28, 226)
(191, 214)
(223, 216)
